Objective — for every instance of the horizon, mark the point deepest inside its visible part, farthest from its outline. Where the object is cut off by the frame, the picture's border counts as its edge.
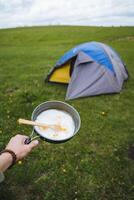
(57, 25)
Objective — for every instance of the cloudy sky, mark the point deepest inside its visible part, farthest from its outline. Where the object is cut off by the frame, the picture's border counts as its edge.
(15, 13)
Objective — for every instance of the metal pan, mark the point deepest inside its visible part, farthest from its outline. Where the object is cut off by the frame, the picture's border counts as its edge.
(59, 105)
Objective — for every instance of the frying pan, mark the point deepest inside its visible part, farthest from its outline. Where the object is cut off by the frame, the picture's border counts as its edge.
(59, 105)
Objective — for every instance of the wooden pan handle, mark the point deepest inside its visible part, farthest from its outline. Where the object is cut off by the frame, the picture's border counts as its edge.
(33, 123)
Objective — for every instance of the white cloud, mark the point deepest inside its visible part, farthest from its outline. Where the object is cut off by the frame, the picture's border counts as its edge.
(38, 12)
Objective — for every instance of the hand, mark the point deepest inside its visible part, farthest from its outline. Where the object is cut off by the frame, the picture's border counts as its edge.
(16, 144)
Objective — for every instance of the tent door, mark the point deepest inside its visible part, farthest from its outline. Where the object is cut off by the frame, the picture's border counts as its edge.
(61, 74)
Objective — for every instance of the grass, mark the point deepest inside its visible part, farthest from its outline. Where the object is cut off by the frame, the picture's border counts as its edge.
(94, 165)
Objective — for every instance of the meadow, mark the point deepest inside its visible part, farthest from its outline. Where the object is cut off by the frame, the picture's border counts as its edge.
(95, 164)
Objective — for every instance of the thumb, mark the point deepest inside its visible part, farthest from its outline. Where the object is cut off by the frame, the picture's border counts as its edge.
(33, 144)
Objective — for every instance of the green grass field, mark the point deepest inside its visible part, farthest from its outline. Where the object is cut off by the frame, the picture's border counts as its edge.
(94, 165)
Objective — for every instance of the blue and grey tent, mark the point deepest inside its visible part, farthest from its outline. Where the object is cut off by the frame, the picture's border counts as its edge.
(89, 69)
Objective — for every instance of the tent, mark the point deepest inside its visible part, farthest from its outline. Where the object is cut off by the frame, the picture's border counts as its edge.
(89, 69)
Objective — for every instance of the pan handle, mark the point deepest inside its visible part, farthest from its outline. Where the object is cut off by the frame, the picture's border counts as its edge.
(30, 139)
(27, 140)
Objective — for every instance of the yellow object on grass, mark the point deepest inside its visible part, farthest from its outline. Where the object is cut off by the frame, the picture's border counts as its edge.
(19, 162)
(61, 75)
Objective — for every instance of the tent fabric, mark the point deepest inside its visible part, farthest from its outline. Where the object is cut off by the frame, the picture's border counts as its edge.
(61, 75)
(97, 69)
(94, 79)
(119, 68)
(93, 49)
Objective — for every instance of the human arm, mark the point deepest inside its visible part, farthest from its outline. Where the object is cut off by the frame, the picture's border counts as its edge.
(21, 150)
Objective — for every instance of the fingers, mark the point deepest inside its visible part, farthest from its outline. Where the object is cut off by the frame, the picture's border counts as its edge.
(20, 137)
(33, 144)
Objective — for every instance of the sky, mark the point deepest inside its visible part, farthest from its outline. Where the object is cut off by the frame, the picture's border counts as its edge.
(16, 13)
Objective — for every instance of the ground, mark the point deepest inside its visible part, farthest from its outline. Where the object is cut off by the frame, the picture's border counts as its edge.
(94, 165)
